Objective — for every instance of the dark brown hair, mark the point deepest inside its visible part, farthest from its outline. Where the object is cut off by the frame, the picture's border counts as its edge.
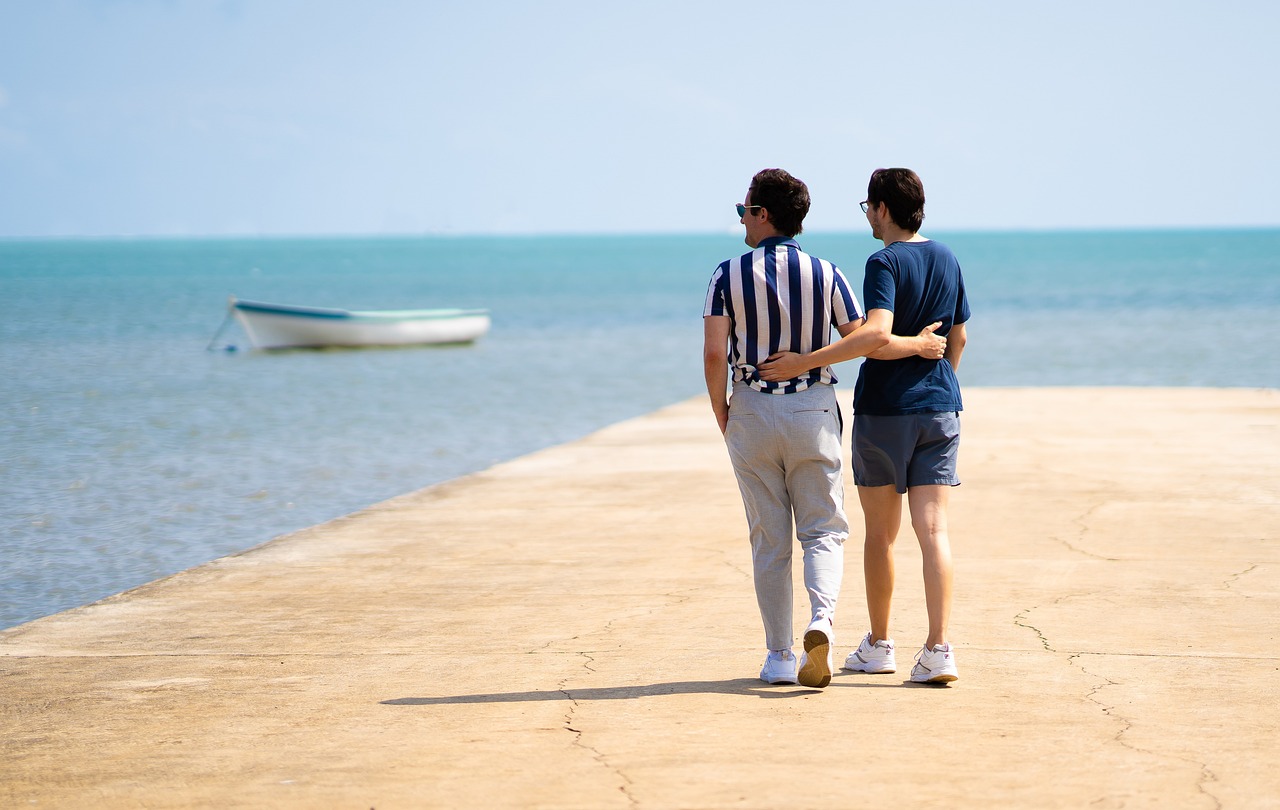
(784, 197)
(902, 191)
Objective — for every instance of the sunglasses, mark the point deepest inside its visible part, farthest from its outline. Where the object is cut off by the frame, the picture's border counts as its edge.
(742, 209)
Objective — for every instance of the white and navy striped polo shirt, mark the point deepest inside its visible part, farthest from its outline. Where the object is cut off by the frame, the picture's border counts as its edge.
(779, 299)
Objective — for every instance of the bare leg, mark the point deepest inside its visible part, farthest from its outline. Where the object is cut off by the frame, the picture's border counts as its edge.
(882, 511)
(928, 506)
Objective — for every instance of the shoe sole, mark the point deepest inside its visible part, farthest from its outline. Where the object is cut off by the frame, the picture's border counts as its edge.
(941, 677)
(868, 671)
(815, 672)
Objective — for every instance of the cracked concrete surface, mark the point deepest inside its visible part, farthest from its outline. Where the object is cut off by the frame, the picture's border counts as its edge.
(577, 628)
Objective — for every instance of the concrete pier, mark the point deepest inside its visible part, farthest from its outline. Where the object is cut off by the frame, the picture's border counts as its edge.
(577, 629)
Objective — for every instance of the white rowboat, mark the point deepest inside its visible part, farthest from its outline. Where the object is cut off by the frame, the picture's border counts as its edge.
(281, 326)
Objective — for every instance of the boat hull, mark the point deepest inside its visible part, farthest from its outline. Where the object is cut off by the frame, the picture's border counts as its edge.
(275, 326)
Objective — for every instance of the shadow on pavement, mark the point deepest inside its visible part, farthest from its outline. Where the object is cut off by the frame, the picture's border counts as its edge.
(745, 687)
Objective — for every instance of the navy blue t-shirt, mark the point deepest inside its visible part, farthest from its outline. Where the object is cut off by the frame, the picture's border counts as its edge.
(920, 282)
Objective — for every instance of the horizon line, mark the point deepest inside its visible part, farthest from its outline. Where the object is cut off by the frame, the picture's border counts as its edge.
(285, 235)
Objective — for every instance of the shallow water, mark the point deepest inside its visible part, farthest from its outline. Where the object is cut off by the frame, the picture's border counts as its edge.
(129, 452)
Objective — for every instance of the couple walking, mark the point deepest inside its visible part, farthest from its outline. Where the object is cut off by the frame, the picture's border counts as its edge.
(768, 319)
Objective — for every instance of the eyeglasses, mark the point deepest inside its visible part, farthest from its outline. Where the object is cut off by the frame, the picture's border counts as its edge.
(864, 205)
(742, 209)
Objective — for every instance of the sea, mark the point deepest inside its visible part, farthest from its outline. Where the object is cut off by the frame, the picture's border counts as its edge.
(140, 435)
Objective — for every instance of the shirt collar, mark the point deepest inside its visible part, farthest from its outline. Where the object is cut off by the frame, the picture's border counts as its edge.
(773, 241)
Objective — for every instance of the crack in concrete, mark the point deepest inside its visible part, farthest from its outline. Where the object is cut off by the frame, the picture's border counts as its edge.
(1083, 525)
(738, 568)
(578, 741)
(1234, 578)
(1076, 549)
(1206, 774)
(1019, 620)
(1111, 711)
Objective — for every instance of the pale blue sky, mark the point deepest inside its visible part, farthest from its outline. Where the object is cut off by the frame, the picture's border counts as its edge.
(165, 117)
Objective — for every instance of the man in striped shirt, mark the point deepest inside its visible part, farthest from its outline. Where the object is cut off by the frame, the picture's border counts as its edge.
(784, 437)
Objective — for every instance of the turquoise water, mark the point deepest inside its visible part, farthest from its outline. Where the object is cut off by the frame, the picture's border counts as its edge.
(129, 452)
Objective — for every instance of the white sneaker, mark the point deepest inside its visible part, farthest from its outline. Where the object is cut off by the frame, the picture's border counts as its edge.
(935, 666)
(779, 667)
(816, 663)
(873, 658)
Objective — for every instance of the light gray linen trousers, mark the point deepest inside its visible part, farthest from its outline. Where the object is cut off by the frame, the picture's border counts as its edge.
(785, 450)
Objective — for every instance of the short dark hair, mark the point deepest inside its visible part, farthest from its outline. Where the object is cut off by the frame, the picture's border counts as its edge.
(902, 191)
(784, 197)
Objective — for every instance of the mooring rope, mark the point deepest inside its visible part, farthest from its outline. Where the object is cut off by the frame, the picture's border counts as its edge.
(225, 321)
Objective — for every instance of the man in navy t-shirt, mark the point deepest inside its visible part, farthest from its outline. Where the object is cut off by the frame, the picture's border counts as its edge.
(906, 427)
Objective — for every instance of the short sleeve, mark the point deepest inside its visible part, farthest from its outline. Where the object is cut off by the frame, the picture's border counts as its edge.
(844, 305)
(717, 293)
(879, 286)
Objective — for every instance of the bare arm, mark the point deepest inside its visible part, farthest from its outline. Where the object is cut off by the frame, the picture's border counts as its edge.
(927, 344)
(845, 328)
(871, 335)
(955, 345)
(715, 365)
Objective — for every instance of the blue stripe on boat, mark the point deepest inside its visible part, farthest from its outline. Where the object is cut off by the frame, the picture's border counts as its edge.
(379, 315)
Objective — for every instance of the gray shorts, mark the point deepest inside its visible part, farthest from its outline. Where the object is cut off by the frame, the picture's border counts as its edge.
(913, 450)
